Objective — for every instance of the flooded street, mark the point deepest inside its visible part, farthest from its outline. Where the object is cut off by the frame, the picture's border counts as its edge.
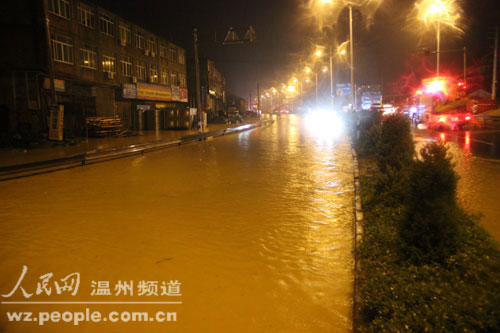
(477, 162)
(257, 228)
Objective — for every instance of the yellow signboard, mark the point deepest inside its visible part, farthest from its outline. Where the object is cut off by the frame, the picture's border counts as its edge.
(153, 92)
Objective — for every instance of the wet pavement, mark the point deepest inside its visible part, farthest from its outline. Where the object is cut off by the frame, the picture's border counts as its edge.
(257, 227)
(54, 149)
(476, 154)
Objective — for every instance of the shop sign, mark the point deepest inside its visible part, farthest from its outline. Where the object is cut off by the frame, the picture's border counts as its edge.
(143, 107)
(153, 92)
(56, 122)
(183, 95)
(129, 90)
(59, 85)
(176, 95)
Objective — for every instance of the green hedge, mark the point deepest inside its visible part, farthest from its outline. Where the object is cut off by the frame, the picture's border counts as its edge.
(426, 265)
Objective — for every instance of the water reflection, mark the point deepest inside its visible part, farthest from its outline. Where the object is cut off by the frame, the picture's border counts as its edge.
(257, 227)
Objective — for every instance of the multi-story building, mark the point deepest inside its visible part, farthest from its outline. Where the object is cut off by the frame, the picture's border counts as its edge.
(102, 65)
(212, 87)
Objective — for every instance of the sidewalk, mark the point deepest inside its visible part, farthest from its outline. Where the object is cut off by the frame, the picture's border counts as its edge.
(51, 150)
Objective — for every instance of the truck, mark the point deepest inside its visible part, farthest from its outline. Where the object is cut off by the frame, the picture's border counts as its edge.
(441, 104)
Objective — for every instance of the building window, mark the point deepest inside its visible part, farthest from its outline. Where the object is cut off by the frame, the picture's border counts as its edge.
(153, 73)
(86, 15)
(88, 57)
(152, 46)
(107, 25)
(172, 54)
(62, 49)
(125, 36)
(164, 76)
(182, 80)
(140, 68)
(140, 41)
(182, 58)
(108, 64)
(163, 51)
(173, 79)
(126, 66)
(60, 8)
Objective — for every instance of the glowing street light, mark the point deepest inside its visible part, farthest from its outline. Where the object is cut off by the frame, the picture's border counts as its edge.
(437, 12)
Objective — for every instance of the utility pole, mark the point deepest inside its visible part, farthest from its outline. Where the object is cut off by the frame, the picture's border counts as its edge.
(197, 70)
(50, 60)
(465, 67)
(352, 57)
(494, 80)
(438, 47)
(331, 78)
(258, 98)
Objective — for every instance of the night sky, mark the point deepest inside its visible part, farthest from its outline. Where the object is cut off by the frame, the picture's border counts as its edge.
(386, 53)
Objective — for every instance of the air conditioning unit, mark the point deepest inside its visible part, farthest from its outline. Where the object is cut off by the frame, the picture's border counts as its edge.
(123, 42)
(110, 75)
(153, 54)
(146, 52)
(134, 79)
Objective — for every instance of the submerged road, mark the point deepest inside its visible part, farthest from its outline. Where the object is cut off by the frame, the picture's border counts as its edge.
(257, 227)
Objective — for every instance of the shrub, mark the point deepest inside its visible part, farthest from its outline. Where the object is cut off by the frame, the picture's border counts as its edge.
(396, 148)
(429, 229)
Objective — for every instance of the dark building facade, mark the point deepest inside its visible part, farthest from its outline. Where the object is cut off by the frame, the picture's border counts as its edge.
(102, 64)
(236, 103)
(212, 87)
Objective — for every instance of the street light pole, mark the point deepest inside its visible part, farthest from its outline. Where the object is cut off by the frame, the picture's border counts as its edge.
(352, 55)
(197, 70)
(494, 79)
(331, 79)
(438, 43)
(316, 88)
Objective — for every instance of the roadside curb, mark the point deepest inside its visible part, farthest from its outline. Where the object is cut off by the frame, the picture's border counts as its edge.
(97, 156)
(358, 233)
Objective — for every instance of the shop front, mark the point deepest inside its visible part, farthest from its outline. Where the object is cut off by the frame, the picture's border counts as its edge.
(156, 107)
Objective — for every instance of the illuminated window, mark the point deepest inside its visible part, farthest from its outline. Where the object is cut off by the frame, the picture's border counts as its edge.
(153, 73)
(108, 64)
(88, 57)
